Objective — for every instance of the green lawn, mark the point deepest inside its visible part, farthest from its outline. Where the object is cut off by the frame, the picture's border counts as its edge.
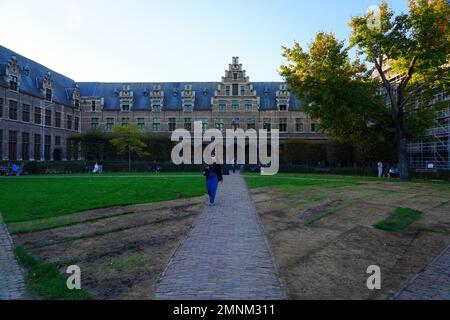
(399, 221)
(45, 280)
(302, 181)
(28, 198)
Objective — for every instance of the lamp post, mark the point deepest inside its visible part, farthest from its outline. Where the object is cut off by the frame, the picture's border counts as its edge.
(43, 128)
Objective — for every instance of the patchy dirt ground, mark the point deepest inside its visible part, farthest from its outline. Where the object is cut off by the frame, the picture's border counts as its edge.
(121, 251)
(324, 240)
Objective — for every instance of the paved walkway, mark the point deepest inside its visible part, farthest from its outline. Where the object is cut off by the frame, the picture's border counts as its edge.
(12, 285)
(226, 254)
(431, 284)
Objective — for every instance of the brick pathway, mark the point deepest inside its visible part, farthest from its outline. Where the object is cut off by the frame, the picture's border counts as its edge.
(226, 254)
(431, 284)
(12, 285)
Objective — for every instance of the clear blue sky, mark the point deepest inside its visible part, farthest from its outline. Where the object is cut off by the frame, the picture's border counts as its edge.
(139, 41)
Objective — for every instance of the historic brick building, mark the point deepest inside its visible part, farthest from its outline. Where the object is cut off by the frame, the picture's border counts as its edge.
(40, 109)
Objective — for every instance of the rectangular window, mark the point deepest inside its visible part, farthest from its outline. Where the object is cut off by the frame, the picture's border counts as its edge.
(13, 110)
(299, 124)
(1, 144)
(48, 117)
(313, 127)
(48, 147)
(235, 89)
(77, 104)
(94, 123)
(57, 119)
(248, 105)
(69, 121)
(1, 108)
(222, 106)
(26, 113)
(57, 140)
(48, 94)
(93, 106)
(188, 106)
(235, 123)
(220, 124)
(205, 124)
(188, 124)
(267, 124)
(172, 124)
(109, 124)
(235, 76)
(13, 83)
(156, 125)
(37, 115)
(37, 147)
(235, 105)
(242, 91)
(251, 123)
(25, 146)
(12, 145)
(227, 90)
(125, 107)
(141, 124)
(283, 125)
(76, 124)
(156, 106)
(125, 121)
(283, 105)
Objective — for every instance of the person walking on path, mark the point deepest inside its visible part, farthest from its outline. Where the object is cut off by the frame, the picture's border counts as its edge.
(213, 174)
(380, 169)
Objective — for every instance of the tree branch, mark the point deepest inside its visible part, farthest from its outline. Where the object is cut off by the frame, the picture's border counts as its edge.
(409, 96)
(387, 85)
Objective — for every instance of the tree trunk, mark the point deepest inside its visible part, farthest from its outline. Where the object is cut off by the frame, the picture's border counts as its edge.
(402, 154)
(129, 159)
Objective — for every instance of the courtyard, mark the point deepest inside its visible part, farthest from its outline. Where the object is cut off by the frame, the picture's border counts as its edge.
(136, 235)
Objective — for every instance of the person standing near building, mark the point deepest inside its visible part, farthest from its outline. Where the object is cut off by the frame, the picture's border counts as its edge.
(380, 169)
(213, 174)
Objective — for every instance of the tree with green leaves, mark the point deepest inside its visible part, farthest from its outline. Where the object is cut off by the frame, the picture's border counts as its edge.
(129, 141)
(413, 46)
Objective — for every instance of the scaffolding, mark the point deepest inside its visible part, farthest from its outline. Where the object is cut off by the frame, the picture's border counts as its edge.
(433, 153)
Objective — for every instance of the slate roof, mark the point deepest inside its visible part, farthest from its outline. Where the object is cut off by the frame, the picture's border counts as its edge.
(32, 75)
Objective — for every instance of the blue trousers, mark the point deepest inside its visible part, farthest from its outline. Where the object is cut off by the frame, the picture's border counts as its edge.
(211, 185)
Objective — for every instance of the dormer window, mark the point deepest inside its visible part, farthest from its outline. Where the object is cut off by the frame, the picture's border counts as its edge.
(48, 94)
(12, 72)
(205, 92)
(187, 105)
(282, 98)
(283, 105)
(235, 76)
(126, 98)
(156, 105)
(13, 83)
(77, 103)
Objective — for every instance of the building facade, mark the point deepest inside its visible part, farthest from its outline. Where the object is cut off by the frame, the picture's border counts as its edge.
(40, 108)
